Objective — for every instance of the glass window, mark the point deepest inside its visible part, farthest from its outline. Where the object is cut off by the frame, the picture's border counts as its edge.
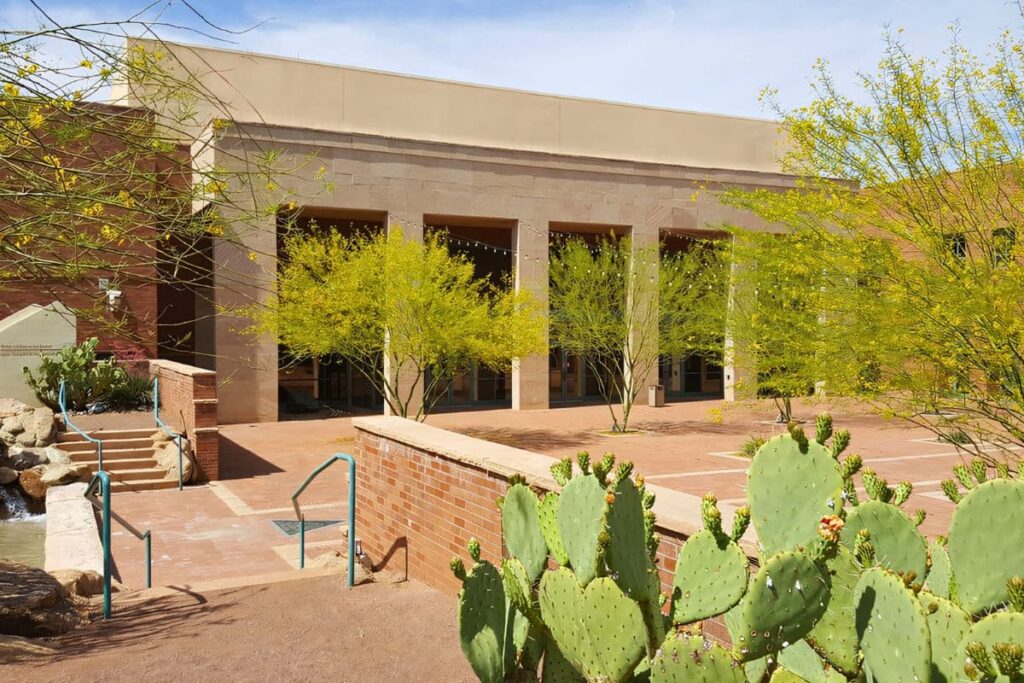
(957, 245)
(1003, 242)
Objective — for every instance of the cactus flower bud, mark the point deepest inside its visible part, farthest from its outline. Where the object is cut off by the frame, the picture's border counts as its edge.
(1009, 657)
(830, 527)
(1015, 589)
(951, 491)
(474, 549)
(458, 568)
(979, 657)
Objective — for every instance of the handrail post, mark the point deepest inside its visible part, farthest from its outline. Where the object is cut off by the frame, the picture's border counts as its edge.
(103, 479)
(149, 560)
(351, 511)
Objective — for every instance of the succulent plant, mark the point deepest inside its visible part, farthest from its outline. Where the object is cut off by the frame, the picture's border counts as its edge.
(843, 589)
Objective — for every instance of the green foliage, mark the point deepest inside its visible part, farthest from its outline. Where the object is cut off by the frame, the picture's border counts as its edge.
(837, 595)
(406, 314)
(132, 392)
(86, 380)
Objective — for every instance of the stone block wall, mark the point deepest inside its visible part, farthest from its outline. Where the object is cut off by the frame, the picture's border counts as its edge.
(188, 403)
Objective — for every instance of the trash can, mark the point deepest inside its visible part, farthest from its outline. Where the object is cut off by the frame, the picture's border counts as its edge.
(656, 395)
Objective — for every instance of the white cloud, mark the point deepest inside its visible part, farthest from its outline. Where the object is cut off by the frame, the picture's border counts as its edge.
(699, 55)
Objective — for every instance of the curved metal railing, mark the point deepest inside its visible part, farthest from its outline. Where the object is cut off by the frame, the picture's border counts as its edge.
(102, 480)
(351, 511)
(177, 436)
(62, 402)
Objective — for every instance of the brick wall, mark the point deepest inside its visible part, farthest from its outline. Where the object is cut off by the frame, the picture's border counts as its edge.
(422, 492)
(188, 403)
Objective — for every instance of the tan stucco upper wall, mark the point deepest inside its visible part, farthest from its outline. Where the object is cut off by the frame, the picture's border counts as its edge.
(300, 94)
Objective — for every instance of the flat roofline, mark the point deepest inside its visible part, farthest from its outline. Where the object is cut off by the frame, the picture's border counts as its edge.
(470, 84)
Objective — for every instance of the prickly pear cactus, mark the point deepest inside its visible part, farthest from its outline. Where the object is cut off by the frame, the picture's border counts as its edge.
(801, 659)
(520, 525)
(893, 628)
(626, 553)
(987, 650)
(835, 634)
(983, 559)
(598, 629)
(547, 515)
(581, 511)
(692, 659)
(785, 600)
(711, 571)
(791, 486)
(483, 622)
(947, 625)
(898, 544)
(940, 580)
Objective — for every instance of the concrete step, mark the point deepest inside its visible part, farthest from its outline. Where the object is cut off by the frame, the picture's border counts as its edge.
(142, 485)
(107, 434)
(108, 444)
(119, 465)
(143, 474)
(113, 454)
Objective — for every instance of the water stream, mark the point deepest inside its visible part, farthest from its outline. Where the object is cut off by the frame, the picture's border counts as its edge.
(22, 529)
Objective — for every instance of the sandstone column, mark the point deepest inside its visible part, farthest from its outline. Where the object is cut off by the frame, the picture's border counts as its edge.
(530, 374)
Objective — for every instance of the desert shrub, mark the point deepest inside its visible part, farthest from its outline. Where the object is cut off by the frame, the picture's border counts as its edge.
(134, 391)
(86, 380)
(750, 446)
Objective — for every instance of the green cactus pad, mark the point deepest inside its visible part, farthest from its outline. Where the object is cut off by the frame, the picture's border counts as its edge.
(557, 668)
(691, 659)
(781, 675)
(947, 625)
(898, 544)
(710, 578)
(835, 634)
(801, 659)
(790, 490)
(580, 521)
(893, 628)
(1000, 627)
(626, 554)
(482, 622)
(982, 557)
(940, 576)
(520, 525)
(783, 603)
(517, 585)
(547, 516)
(598, 629)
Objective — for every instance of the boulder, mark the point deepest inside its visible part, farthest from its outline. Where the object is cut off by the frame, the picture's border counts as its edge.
(54, 455)
(43, 427)
(25, 438)
(81, 582)
(166, 455)
(25, 458)
(12, 406)
(59, 475)
(8, 476)
(34, 604)
(29, 481)
(10, 428)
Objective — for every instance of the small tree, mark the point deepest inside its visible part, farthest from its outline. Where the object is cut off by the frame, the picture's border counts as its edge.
(371, 298)
(616, 307)
(923, 270)
(775, 320)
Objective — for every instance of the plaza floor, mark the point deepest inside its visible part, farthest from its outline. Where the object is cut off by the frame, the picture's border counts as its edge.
(223, 530)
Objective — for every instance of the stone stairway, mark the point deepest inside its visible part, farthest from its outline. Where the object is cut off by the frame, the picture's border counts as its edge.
(127, 457)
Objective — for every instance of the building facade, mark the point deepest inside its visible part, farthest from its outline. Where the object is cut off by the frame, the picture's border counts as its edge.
(504, 173)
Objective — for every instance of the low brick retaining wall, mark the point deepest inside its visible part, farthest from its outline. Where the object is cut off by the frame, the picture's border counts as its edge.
(422, 492)
(188, 403)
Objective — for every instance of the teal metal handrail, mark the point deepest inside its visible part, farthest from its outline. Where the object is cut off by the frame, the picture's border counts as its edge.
(177, 436)
(102, 480)
(351, 511)
(62, 401)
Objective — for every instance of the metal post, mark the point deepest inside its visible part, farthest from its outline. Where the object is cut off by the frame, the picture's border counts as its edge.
(105, 491)
(302, 543)
(351, 520)
(149, 561)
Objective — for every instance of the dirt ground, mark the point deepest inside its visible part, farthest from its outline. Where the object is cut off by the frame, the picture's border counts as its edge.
(312, 629)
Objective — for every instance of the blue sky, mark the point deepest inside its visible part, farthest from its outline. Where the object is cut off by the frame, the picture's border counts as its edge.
(704, 55)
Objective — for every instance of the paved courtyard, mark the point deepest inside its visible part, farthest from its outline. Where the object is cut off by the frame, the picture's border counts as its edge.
(223, 530)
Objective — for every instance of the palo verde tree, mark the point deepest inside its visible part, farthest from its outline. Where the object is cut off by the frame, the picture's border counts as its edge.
(406, 314)
(617, 306)
(774, 324)
(918, 248)
(91, 188)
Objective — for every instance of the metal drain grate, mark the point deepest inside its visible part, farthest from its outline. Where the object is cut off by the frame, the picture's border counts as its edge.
(290, 527)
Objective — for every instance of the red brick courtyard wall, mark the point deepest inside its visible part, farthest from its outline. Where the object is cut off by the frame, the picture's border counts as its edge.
(419, 499)
(188, 403)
